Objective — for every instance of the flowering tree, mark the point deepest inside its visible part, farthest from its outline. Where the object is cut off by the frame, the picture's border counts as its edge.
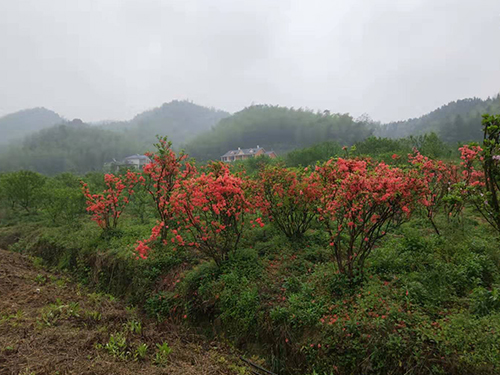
(161, 175)
(440, 180)
(107, 207)
(210, 209)
(482, 171)
(361, 201)
(289, 198)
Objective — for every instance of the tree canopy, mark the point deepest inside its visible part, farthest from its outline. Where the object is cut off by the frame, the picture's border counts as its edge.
(276, 128)
(179, 120)
(67, 148)
(16, 125)
(456, 121)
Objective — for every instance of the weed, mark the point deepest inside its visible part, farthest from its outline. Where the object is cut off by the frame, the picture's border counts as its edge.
(13, 319)
(92, 315)
(40, 279)
(162, 354)
(141, 351)
(38, 262)
(133, 326)
(116, 346)
(54, 312)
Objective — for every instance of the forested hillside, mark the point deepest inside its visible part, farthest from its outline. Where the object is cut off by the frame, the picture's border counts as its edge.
(79, 147)
(207, 133)
(456, 121)
(73, 147)
(16, 125)
(383, 149)
(179, 120)
(276, 128)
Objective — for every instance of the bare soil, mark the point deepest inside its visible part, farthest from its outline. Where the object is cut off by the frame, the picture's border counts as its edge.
(50, 325)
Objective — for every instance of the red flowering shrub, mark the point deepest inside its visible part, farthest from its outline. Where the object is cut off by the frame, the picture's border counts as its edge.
(289, 199)
(161, 175)
(439, 180)
(482, 172)
(107, 207)
(471, 163)
(210, 209)
(491, 167)
(361, 201)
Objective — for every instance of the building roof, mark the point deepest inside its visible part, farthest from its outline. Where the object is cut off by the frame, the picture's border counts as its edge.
(244, 151)
(137, 156)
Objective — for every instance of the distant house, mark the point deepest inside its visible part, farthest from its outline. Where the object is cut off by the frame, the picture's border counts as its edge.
(137, 161)
(246, 153)
(132, 161)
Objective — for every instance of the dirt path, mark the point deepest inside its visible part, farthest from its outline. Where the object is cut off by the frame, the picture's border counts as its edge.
(49, 325)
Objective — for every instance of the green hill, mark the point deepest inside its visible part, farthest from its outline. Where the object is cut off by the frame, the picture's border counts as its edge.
(179, 120)
(275, 128)
(79, 147)
(73, 147)
(16, 125)
(456, 121)
(207, 133)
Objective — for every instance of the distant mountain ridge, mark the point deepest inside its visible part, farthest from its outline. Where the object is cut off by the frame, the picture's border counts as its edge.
(72, 146)
(15, 126)
(179, 120)
(276, 128)
(456, 121)
(42, 140)
(80, 147)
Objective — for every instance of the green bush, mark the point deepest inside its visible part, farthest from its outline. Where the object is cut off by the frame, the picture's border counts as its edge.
(484, 302)
(62, 199)
(22, 189)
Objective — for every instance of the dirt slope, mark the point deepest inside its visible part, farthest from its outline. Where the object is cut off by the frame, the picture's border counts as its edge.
(49, 325)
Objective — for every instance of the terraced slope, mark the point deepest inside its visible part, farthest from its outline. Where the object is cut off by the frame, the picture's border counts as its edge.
(49, 325)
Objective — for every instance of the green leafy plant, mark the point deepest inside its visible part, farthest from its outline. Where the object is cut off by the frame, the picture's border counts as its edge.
(40, 279)
(162, 353)
(141, 351)
(133, 326)
(116, 346)
(22, 189)
(54, 312)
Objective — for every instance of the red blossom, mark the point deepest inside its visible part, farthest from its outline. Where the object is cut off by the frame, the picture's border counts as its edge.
(360, 200)
(439, 179)
(212, 207)
(107, 207)
(288, 198)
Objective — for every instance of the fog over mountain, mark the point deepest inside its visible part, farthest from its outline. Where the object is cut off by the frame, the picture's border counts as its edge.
(112, 59)
(16, 125)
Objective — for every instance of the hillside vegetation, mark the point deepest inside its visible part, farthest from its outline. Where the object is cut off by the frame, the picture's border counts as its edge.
(208, 133)
(75, 147)
(78, 147)
(179, 120)
(275, 128)
(454, 122)
(16, 125)
(381, 148)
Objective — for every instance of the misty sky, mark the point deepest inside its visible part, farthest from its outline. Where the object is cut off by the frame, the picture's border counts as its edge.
(110, 59)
